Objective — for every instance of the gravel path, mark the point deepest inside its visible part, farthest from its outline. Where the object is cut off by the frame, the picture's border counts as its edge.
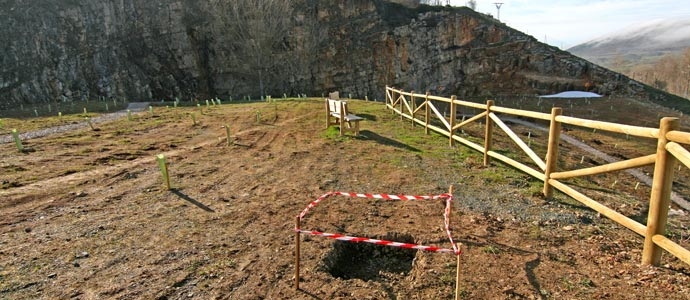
(134, 107)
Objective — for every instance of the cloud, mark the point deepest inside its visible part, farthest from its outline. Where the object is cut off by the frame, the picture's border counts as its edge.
(569, 22)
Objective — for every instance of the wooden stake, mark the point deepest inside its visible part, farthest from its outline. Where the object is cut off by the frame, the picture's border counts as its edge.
(297, 251)
(457, 278)
(457, 263)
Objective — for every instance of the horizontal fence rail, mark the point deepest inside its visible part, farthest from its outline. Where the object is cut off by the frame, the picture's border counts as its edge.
(669, 152)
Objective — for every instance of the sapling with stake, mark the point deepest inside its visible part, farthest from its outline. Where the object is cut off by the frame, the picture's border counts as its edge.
(17, 140)
(129, 115)
(88, 121)
(227, 134)
(164, 169)
(193, 119)
(201, 111)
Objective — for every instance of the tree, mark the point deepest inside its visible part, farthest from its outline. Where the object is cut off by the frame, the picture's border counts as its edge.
(259, 31)
(670, 73)
(434, 2)
(472, 4)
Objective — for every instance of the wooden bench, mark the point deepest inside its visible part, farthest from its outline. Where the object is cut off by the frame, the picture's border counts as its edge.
(337, 110)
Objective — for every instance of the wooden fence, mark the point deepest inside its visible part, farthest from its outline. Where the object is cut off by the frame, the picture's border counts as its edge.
(668, 153)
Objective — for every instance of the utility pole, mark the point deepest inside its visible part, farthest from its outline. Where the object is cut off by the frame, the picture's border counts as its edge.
(498, 9)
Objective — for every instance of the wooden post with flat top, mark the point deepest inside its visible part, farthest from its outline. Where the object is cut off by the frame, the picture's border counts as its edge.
(452, 116)
(661, 193)
(552, 151)
(413, 105)
(426, 113)
(488, 132)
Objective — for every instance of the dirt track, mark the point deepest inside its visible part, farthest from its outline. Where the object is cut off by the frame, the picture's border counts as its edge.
(87, 217)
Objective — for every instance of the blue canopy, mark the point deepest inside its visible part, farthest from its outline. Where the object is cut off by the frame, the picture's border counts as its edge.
(573, 94)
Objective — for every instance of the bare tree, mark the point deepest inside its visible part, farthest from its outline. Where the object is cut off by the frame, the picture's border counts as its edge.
(259, 31)
(670, 73)
(434, 2)
(472, 4)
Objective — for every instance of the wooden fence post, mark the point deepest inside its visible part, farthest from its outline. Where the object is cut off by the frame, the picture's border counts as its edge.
(426, 113)
(385, 100)
(552, 151)
(661, 193)
(452, 120)
(328, 115)
(402, 99)
(488, 131)
(392, 96)
(412, 104)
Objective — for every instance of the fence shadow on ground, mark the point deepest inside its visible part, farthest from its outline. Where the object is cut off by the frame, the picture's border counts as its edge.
(191, 200)
(372, 136)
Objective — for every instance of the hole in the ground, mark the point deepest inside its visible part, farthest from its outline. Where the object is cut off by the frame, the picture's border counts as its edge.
(368, 261)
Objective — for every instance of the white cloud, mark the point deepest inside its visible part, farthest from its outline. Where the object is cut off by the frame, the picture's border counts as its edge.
(569, 22)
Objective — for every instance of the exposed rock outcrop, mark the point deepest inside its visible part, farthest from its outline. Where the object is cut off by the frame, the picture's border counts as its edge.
(61, 50)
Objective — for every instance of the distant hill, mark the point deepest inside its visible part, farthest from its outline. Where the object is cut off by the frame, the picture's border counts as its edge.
(640, 44)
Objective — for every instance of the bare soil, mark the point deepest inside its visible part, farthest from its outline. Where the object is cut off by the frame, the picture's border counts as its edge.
(87, 215)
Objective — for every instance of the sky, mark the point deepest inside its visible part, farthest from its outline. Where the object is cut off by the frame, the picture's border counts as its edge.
(566, 23)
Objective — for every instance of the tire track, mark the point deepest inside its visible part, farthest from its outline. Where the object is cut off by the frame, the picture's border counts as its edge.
(75, 178)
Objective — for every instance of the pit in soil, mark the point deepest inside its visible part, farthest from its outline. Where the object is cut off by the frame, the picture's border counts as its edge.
(367, 261)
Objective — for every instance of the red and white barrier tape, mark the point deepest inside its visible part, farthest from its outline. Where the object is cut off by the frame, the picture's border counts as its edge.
(446, 216)
(355, 239)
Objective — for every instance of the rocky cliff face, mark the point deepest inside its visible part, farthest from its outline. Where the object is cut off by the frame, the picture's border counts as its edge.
(61, 50)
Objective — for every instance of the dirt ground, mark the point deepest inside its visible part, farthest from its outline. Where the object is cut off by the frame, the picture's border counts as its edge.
(86, 215)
